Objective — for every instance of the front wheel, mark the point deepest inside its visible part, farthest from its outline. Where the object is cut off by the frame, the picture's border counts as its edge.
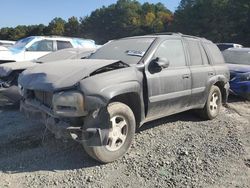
(120, 136)
(213, 104)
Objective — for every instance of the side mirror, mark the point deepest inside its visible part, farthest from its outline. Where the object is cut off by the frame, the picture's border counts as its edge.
(162, 62)
(157, 64)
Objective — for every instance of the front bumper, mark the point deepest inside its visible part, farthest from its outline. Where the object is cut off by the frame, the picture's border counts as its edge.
(11, 93)
(63, 129)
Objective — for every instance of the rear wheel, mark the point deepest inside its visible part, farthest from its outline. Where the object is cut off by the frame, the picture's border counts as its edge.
(213, 104)
(120, 135)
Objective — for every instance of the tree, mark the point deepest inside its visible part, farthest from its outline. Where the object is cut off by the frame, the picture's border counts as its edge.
(126, 18)
(56, 27)
(218, 20)
(72, 27)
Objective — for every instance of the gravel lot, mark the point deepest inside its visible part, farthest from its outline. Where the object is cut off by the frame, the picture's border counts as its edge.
(177, 151)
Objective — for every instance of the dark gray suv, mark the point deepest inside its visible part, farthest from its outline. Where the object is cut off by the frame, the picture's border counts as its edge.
(101, 100)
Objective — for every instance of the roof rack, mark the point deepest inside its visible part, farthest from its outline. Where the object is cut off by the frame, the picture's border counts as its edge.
(168, 33)
(179, 34)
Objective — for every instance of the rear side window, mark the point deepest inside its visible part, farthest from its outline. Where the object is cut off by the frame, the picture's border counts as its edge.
(63, 44)
(194, 52)
(173, 51)
(215, 53)
(204, 55)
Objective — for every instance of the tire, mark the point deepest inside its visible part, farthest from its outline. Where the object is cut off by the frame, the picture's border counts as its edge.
(213, 104)
(120, 136)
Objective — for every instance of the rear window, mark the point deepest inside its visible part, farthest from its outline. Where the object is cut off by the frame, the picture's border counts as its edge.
(214, 53)
(223, 47)
(237, 57)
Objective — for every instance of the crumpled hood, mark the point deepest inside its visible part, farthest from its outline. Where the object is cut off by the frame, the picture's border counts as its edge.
(7, 68)
(60, 74)
(239, 68)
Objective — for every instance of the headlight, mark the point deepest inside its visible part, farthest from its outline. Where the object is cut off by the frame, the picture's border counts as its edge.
(21, 90)
(245, 77)
(68, 104)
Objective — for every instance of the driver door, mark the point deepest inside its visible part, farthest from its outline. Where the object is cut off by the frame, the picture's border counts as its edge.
(169, 89)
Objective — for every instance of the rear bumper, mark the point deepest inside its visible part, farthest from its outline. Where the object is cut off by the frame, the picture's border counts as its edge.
(63, 129)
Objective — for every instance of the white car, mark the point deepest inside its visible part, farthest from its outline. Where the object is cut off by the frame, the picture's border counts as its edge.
(33, 47)
(7, 43)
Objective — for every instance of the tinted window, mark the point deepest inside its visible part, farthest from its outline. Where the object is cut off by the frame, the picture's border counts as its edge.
(44, 45)
(215, 53)
(63, 44)
(194, 52)
(172, 50)
(129, 50)
(223, 47)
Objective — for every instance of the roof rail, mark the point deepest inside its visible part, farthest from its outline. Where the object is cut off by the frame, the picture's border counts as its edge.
(168, 33)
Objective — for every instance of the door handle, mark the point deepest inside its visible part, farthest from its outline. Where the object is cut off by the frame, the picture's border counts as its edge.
(211, 73)
(185, 76)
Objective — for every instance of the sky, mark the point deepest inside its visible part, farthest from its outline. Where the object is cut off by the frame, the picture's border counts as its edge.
(28, 12)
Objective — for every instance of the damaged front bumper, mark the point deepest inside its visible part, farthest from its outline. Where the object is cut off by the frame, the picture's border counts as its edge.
(63, 129)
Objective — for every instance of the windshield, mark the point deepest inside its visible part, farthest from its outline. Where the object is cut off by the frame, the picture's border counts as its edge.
(242, 58)
(21, 43)
(129, 50)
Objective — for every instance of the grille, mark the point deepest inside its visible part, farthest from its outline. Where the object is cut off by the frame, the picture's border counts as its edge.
(44, 97)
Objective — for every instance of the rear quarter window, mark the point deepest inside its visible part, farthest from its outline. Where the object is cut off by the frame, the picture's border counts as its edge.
(214, 53)
(194, 52)
(63, 44)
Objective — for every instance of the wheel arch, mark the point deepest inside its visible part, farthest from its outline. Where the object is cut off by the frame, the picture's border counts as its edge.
(224, 93)
(133, 101)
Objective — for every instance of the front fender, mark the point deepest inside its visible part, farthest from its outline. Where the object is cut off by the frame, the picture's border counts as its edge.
(100, 89)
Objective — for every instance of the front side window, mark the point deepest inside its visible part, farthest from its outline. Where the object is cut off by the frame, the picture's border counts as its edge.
(130, 50)
(172, 50)
(63, 44)
(41, 46)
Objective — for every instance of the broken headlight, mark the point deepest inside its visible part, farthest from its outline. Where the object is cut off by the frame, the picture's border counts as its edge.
(245, 77)
(68, 104)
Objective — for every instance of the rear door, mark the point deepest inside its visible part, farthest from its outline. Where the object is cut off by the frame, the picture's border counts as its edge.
(201, 71)
(169, 89)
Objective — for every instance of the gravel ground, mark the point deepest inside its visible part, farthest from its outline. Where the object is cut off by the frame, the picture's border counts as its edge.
(177, 151)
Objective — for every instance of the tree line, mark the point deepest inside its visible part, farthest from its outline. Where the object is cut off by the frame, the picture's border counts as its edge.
(217, 20)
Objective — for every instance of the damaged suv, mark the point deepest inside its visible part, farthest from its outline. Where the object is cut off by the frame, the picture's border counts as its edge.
(101, 100)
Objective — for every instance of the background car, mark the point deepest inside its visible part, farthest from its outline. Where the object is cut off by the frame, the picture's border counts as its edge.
(224, 46)
(33, 47)
(7, 43)
(9, 72)
(238, 60)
